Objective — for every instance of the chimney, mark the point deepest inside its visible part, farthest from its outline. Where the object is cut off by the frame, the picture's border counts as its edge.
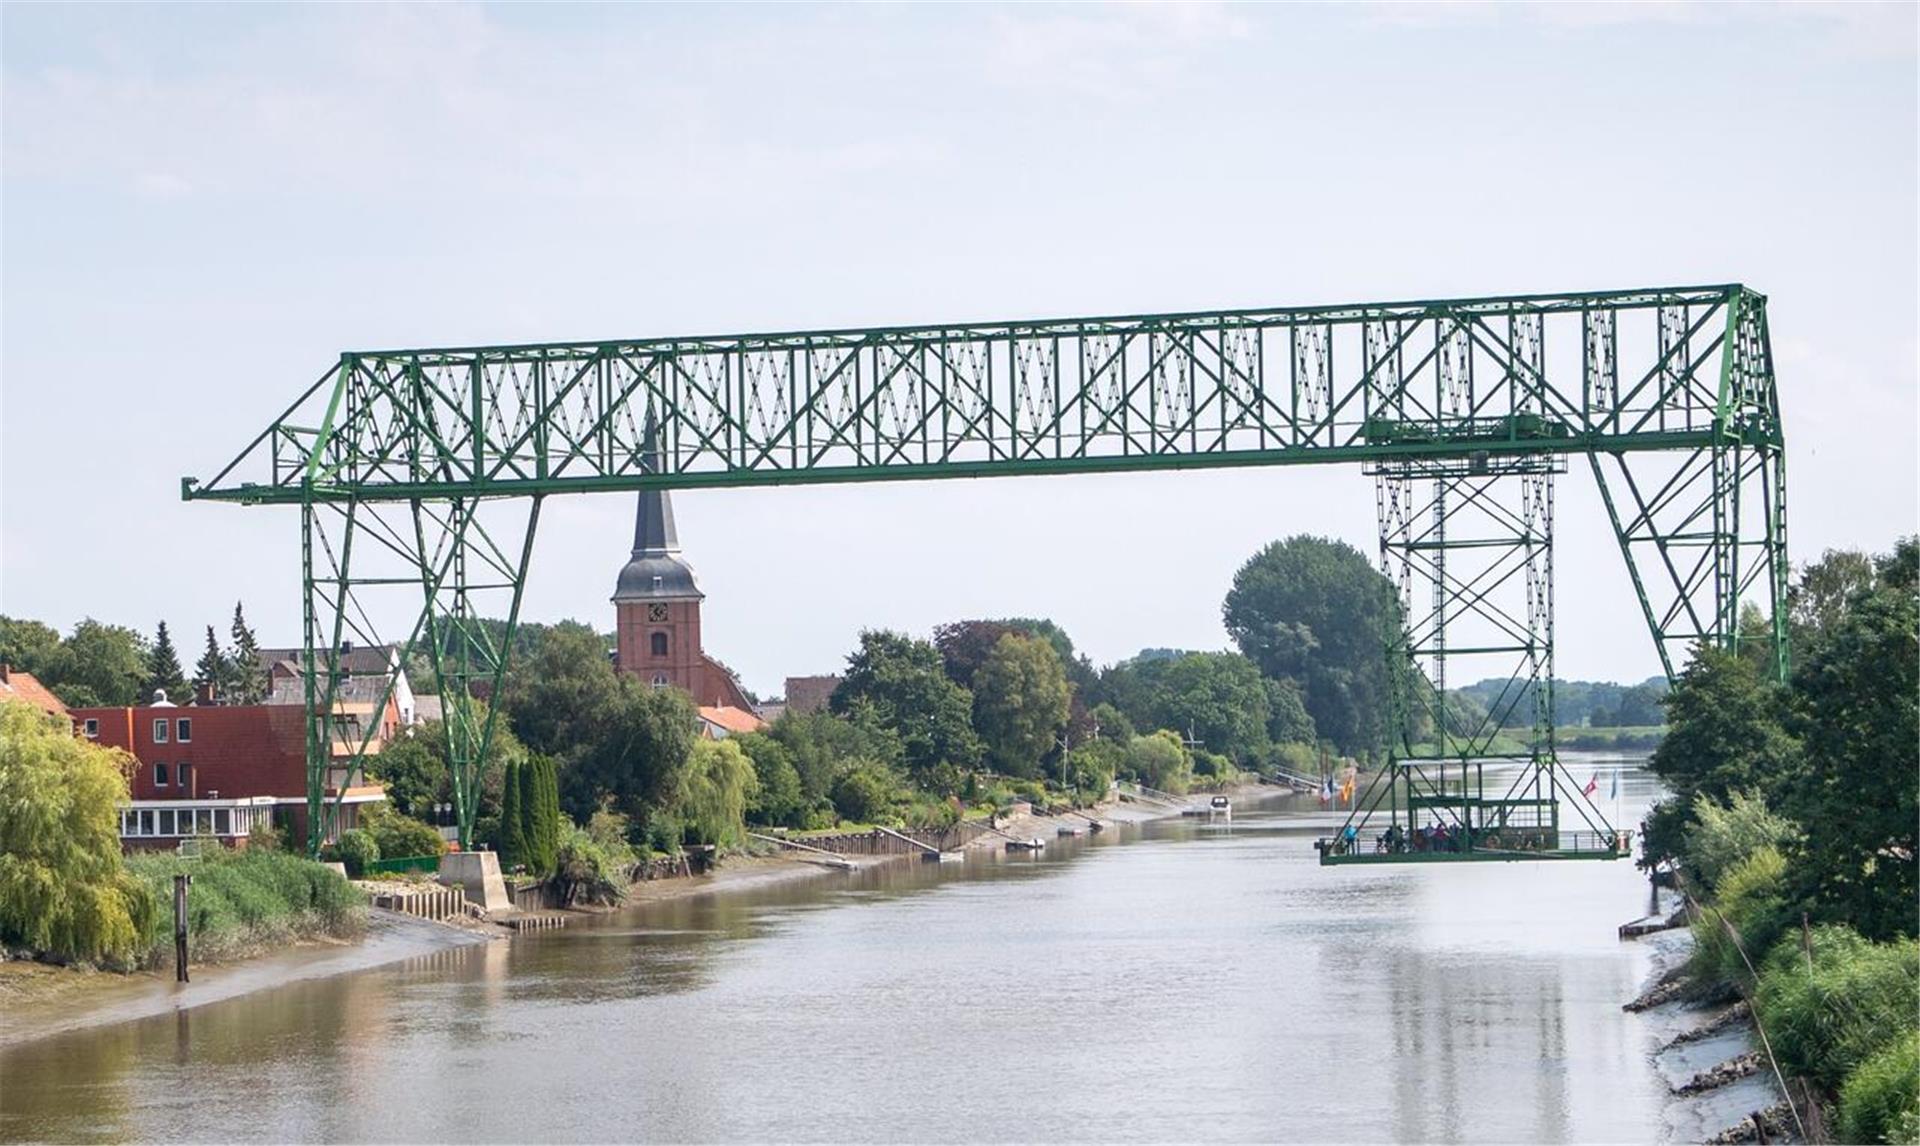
(204, 694)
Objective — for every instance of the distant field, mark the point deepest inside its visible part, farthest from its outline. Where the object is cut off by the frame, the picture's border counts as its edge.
(1637, 736)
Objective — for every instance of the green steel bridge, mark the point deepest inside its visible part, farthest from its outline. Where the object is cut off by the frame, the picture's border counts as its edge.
(419, 476)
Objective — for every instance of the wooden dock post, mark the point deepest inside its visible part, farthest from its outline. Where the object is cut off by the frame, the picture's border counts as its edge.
(180, 883)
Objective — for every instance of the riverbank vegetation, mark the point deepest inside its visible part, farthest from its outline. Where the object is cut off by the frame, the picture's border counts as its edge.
(1792, 824)
(67, 895)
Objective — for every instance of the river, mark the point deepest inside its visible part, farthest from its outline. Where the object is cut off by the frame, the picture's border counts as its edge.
(1165, 982)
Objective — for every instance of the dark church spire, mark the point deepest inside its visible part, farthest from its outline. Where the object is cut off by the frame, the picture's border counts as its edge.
(655, 569)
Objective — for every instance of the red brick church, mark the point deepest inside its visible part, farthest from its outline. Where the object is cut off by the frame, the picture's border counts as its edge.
(657, 604)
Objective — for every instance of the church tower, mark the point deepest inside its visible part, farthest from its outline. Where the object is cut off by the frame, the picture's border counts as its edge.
(657, 604)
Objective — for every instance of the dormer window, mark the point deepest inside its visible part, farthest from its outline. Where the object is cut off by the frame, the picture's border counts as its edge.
(659, 641)
(659, 583)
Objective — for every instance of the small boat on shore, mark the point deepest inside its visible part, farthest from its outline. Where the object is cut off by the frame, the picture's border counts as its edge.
(1033, 845)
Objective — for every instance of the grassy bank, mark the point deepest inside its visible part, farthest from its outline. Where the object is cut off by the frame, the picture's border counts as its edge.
(243, 902)
(1626, 739)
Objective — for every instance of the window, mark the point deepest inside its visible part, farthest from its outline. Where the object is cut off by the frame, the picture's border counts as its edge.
(147, 827)
(128, 821)
(659, 680)
(180, 774)
(160, 730)
(91, 726)
(222, 824)
(159, 775)
(203, 822)
(183, 730)
(659, 644)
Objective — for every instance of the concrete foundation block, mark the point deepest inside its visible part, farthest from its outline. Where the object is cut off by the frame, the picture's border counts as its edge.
(479, 874)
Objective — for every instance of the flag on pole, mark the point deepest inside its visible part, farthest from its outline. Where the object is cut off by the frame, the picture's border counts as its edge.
(1593, 785)
(1346, 789)
(1613, 785)
(1326, 789)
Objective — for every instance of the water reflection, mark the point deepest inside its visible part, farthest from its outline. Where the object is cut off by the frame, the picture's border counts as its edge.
(1183, 982)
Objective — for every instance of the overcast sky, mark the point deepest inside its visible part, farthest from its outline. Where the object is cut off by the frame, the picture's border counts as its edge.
(203, 207)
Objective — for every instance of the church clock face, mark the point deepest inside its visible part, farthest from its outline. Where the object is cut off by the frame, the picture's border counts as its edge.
(656, 612)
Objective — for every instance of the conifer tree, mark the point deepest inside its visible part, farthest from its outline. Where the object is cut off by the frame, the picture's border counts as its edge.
(212, 670)
(540, 813)
(513, 840)
(246, 680)
(163, 669)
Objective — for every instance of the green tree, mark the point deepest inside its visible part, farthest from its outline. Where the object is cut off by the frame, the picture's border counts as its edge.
(29, 646)
(1288, 721)
(1725, 733)
(1160, 761)
(1105, 722)
(903, 684)
(867, 792)
(512, 844)
(414, 767)
(1724, 835)
(965, 645)
(778, 798)
(213, 671)
(539, 809)
(822, 746)
(1020, 702)
(1856, 711)
(636, 755)
(561, 691)
(1218, 699)
(99, 664)
(247, 677)
(63, 891)
(1316, 612)
(163, 669)
(720, 784)
(1823, 592)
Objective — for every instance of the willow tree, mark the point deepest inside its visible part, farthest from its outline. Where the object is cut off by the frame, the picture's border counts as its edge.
(63, 891)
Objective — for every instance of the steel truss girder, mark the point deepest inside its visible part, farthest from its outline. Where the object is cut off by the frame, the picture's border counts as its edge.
(450, 569)
(1255, 387)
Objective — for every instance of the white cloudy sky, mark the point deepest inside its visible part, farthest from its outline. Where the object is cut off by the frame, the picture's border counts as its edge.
(200, 207)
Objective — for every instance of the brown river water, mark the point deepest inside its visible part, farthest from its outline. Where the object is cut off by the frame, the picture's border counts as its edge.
(1169, 981)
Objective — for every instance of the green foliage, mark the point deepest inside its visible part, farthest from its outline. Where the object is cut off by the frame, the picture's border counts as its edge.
(1880, 1100)
(63, 890)
(246, 681)
(1159, 761)
(866, 793)
(242, 900)
(1725, 734)
(778, 798)
(1856, 711)
(1288, 721)
(540, 813)
(1316, 612)
(554, 693)
(1218, 699)
(903, 684)
(97, 665)
(1091, 768)
(511, 842)
(1753, 901)
(163, 670)
(357, 848)
(719, 784)
(29, 646)
(398, 836)
(1724, 835)
(1819, 598)
(587, 870)
(1020, 702)
(1109, 724)
(415, 769)
(822, 746)
(610, 831)
(212, 669)
(1855, 999)
(636, 753)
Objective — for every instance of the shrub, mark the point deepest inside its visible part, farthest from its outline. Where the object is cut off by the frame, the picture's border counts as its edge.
(242, 899)
(357, 848)
(609, 830)
(399, 836)
(585, 873)
(1855, 999)
(1723, 835)
(1880, 1101)
(865, 793)
(1753, 899)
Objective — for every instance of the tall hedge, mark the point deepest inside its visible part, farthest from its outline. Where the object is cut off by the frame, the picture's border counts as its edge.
(513, 839)
(539, 812)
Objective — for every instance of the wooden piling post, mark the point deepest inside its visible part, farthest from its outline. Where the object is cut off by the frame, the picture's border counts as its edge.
(180, 883)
